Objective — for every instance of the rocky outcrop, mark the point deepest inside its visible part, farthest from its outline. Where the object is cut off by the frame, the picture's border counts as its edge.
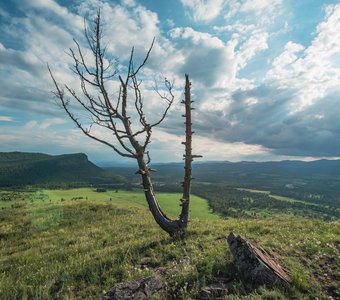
(255, 264)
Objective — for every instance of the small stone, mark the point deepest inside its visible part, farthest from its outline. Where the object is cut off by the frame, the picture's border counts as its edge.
(213, 291)
(148, 262)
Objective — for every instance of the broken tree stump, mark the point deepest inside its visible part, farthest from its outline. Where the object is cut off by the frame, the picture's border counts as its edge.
(255, 264)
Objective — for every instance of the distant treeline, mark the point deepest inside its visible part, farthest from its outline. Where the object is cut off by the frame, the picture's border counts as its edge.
(231, 202)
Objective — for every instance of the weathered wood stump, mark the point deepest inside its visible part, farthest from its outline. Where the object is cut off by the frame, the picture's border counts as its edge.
(255, 264)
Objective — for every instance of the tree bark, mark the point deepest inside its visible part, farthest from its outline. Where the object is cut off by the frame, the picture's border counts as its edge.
(184, 216)
(168, 225)
(172, 227)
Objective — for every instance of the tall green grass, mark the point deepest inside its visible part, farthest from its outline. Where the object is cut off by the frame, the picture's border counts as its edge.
(76, 244)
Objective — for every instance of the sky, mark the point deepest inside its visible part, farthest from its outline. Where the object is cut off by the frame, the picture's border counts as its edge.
(265, 75)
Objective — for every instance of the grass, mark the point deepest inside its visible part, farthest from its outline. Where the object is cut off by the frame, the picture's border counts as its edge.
(169, 202)
(76, 244)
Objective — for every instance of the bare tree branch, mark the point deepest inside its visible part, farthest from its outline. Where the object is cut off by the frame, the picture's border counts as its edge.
(145, 59)
(64, 102)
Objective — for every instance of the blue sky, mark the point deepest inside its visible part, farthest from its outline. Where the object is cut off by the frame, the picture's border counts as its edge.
(265, 74)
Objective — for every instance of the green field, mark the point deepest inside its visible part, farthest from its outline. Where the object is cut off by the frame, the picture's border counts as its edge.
(76, 244)
(254, 191)
(277, 197)
(169, 202)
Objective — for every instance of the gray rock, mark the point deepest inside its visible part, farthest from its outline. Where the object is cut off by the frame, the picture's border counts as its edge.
(140, 289)
(255, 264)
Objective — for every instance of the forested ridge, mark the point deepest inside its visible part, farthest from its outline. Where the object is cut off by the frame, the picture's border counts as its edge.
(21, 168)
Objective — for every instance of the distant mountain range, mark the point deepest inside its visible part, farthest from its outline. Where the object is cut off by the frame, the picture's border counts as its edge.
(20, 168)
(286, 168)
(320, 176)
(222, 170)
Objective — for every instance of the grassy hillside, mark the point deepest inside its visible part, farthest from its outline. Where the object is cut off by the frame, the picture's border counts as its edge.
(19, 168)
(76, 244)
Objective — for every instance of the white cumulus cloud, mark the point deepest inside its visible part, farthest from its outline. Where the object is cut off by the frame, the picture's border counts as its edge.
(203, 10)
(313, 71)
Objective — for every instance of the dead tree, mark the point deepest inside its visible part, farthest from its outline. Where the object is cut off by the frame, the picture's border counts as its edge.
(115, 115)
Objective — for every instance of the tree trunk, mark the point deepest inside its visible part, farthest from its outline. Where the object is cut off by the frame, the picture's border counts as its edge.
(184, 216)
(172, 227)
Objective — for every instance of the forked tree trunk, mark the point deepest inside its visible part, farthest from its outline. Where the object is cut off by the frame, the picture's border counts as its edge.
(170, 226)
(173, 227)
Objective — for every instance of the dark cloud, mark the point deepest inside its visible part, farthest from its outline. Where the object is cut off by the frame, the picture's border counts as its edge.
(17, 96)
(263, 116)
(207, 59)
(206, 65)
